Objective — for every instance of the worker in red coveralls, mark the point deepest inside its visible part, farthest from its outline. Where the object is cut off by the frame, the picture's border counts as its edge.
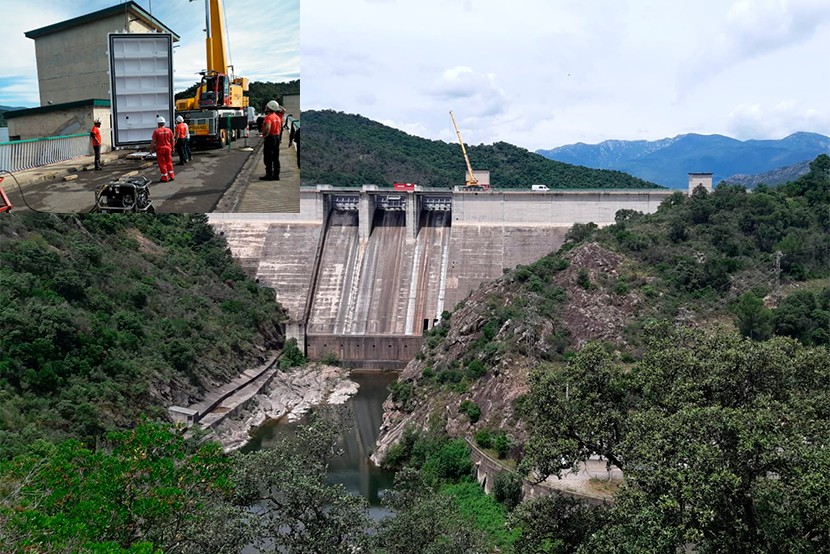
(271, 127)
(162, 143)
(95, 137)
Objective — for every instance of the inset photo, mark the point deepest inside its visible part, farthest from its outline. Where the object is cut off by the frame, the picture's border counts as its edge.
(141, 106)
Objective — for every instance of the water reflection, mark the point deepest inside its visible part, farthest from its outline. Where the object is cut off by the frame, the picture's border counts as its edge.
(353, 469)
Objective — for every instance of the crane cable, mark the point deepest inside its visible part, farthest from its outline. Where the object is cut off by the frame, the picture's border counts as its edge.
(228, 38)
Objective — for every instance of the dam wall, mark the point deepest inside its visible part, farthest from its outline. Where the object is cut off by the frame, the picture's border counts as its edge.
(363, 273)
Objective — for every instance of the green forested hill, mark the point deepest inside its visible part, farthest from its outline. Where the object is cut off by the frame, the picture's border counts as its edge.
(346, 149)
(107, 317)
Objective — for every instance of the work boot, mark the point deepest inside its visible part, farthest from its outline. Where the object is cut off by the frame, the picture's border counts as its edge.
(266, 178)
(277, 178)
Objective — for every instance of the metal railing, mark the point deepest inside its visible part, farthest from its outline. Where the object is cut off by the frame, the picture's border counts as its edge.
(26, 154)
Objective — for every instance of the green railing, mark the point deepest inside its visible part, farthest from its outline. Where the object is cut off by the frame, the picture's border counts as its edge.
(18, 155)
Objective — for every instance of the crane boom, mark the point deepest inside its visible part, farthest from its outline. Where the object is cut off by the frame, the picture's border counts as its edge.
(471, 181)
(217, 48)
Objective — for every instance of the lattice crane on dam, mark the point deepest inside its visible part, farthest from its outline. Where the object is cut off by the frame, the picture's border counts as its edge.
(472, 182)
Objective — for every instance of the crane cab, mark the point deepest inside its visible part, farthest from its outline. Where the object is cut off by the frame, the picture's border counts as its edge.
(218, 90)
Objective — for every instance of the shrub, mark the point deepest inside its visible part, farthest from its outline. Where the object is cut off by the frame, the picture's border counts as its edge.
(472, 410)
(484, 438)
(507, 489)
(291, 355)
(502, 445)
(450, 462)
(401, 393)
(475, 369)
(583, 279)
(330, 358)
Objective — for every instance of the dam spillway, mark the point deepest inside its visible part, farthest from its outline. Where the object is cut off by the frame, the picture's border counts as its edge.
(364, 273)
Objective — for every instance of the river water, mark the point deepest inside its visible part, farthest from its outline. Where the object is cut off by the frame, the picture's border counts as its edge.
(353, 469)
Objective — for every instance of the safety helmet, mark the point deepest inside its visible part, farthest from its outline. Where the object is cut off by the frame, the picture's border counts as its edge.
(97, 120)
(272, 105)
(160, 120)
(179, 119)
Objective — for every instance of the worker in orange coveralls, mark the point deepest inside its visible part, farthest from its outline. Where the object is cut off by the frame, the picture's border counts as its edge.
(162, 143)
(271, 128)
(95, 136)
(180, 134)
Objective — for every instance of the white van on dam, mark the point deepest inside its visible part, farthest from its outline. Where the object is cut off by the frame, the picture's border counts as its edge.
(539, 187)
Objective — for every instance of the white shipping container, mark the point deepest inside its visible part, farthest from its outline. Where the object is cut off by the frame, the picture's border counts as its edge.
(141, 85)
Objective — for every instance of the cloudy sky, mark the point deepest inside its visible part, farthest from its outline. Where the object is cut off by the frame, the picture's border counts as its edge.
(264, 37)
(544, 73)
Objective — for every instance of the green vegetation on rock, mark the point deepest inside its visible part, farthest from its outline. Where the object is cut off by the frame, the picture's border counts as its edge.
(106, 317)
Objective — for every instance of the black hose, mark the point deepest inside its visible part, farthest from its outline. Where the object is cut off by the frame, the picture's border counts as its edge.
(20, 190)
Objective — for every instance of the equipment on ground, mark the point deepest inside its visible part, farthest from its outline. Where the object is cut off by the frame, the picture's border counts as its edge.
(5, 203)
(216, 114)
(125, 194)
(472, 183)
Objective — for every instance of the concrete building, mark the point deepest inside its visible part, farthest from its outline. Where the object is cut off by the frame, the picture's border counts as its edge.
(72, 69)
(291, 103)
(72, 60)
(697, 179)
(61, 119)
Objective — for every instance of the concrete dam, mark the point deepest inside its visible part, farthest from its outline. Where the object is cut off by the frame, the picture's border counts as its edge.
(363, 273)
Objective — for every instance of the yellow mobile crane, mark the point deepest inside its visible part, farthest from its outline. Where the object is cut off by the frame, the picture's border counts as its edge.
(217, 111)
(472, 182)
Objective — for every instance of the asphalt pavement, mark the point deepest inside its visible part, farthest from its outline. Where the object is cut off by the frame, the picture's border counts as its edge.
(214, 180)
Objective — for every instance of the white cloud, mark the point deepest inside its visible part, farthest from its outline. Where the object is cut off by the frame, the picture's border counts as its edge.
(748, 121)
(418, 129)
(542, 74)
(752, 29)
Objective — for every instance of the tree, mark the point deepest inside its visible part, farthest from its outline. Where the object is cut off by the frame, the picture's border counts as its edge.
(298, 511)
(754, 320)
(149, 491)
(507, 488)
(152, 490)
(722, 440)
(424, 522)
(575, 411)
(555, 524)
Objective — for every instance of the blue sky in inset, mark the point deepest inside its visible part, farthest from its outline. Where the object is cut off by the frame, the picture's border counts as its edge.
(263, 35)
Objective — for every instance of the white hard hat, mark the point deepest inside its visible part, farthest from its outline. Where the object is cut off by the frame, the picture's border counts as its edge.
(272, 105)
(161, 120)
(97, 120)
(179, 119)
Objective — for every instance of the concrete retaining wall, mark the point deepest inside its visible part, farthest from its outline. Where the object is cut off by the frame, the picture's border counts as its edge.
(487, 468)
(365, 351)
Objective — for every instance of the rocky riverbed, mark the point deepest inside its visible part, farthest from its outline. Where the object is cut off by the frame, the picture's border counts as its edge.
(288, 395)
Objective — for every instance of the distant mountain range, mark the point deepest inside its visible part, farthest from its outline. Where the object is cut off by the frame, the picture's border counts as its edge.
(349, 150)
(4, 109)
(669, 161)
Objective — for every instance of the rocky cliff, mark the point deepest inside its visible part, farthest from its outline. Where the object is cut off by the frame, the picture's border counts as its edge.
(485, 350)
